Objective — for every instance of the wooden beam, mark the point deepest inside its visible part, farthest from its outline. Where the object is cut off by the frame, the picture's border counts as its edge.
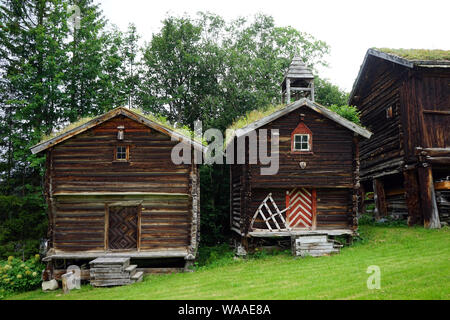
(433, 152)
(261, 233)
(379, 198)
(428, 198)
(288, 91)
(194, 197)
(300, 89)
(132, 254)
(438, 112)
(443, 185)
(361, 199)
(412, 197)
(438, 160)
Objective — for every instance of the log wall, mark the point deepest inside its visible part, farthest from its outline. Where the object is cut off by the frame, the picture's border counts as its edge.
(330, 169)
(83, 179)
(329, 164)
(333, 211)
(426, 110)
(85, 163)
(381, 113)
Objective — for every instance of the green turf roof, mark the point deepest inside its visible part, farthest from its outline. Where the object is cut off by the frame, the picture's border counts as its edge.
(418, 54)
(162, 121)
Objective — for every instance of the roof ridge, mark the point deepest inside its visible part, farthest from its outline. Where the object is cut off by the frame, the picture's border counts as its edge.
(43, 145)
(295, 105)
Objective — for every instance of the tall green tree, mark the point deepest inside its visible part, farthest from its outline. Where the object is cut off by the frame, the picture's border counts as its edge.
(329, 94)
(208, 69)
(50, 73)
(33, 60)
(84, 68)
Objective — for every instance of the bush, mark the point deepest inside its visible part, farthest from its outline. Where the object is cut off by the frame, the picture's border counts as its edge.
(23, 222)
(348, 112)
(369, 220)
(17, 275)
(215, 256)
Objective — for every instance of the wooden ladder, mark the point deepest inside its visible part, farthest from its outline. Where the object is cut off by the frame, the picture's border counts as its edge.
(270, 216)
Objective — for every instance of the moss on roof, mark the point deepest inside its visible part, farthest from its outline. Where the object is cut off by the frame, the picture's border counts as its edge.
(65, 129)
(348, 112)
(162, 121)
(418, 54)
(254, 115)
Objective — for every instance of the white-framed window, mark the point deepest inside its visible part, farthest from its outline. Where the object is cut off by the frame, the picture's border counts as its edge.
(122, 153)
(302, 142)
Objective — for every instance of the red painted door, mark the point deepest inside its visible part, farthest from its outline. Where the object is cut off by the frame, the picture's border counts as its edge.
(303, 207)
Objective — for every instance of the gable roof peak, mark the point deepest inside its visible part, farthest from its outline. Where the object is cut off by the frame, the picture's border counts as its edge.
(294, 106)
(48, 143)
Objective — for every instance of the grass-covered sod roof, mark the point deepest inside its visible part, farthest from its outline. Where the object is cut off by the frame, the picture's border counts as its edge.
(418, 54)
(162, 121)
(347, 112)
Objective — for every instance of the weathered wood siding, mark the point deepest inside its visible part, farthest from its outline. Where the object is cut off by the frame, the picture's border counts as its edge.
(384, 150)
(81, 222)
(85, 164)
(330, 170)
(334, 207)
(426, 98)
(236, 196)
(420, 100)
(329, 164)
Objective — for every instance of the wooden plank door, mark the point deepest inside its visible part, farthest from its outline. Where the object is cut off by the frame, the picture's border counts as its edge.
(123, 227)
(301, 214)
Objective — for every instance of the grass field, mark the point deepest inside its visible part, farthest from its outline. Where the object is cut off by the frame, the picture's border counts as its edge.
(414, 263)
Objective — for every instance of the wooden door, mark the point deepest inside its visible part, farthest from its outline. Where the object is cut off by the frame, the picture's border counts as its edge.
(302, 212)
(123, 228)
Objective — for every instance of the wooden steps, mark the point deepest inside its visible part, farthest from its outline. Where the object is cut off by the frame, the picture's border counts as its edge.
(105, 271)
(313, 245)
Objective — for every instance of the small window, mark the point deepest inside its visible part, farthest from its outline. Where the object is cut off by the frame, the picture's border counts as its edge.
(389, 113)
(301, 142)
(122, 153)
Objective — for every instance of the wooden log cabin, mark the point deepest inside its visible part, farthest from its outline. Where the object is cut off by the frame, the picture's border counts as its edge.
(314, 190)
(113, 191)
(404, 99)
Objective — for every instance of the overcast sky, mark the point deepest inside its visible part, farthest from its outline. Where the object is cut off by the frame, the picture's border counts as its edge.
(349, 27)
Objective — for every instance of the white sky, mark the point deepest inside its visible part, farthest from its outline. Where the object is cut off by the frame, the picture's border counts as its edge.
(349, 27)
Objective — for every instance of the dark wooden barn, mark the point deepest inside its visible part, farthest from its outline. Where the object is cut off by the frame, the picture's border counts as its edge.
(404, 99)
(314, 190)
(113, 191)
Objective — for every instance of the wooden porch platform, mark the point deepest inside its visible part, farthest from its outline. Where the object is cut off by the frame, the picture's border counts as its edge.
(262, 233)
(127, 254)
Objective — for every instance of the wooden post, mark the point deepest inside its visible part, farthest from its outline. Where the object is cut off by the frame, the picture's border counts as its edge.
(412, 197)
(194, 206)
(428, 198)
(379, 197)
(356, 182)
(361, 199)
(312, 91)
(288, 90)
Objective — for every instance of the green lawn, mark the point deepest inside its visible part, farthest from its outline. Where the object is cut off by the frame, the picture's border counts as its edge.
(414, 264)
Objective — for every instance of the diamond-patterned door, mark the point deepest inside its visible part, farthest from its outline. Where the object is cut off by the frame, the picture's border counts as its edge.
(122, 232)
